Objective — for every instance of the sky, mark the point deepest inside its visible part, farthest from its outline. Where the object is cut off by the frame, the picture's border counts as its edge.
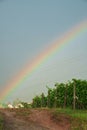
(27, 28)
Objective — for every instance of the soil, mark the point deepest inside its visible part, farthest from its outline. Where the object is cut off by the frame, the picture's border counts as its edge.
(37, 119)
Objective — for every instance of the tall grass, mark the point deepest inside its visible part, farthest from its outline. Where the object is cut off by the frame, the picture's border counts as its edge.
(78, 118)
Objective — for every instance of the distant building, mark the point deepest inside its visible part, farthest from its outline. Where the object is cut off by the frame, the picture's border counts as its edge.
(18, 106)
(10, 106)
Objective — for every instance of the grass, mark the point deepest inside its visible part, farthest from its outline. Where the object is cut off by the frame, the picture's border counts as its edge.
(1, 122)
(82, 114)
(78, 118)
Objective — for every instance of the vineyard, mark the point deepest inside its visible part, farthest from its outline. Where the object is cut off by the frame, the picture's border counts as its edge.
(72, 94)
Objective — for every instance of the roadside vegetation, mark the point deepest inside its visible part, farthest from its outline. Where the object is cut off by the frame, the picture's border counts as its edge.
(1, 122)
(77, 118)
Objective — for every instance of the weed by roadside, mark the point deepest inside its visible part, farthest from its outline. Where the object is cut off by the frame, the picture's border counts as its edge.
(1, 122)
(77, 118)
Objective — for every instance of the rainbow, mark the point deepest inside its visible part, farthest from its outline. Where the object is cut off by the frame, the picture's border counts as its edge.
(41, 58)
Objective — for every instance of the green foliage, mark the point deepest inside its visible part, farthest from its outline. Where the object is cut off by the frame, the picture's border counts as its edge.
(26, 105)
(62, 95)
(36, 102)
(39, 101)
(1, 122)
(77, 118)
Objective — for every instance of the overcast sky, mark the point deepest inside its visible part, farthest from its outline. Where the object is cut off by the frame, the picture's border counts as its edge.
(26, 29)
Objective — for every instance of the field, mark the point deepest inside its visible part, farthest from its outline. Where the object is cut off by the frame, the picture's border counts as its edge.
(43, 119)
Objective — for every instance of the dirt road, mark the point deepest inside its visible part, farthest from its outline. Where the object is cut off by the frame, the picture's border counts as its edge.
(36, 120)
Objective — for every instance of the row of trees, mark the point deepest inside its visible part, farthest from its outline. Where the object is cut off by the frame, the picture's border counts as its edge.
(72, 94)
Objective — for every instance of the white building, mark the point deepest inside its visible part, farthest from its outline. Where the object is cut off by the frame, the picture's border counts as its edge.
(10, 106)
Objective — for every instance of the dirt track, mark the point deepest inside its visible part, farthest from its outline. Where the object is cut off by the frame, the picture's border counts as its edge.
(36, 120)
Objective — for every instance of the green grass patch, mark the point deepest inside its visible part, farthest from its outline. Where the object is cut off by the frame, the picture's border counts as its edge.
(81, 114)
(77, 118)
